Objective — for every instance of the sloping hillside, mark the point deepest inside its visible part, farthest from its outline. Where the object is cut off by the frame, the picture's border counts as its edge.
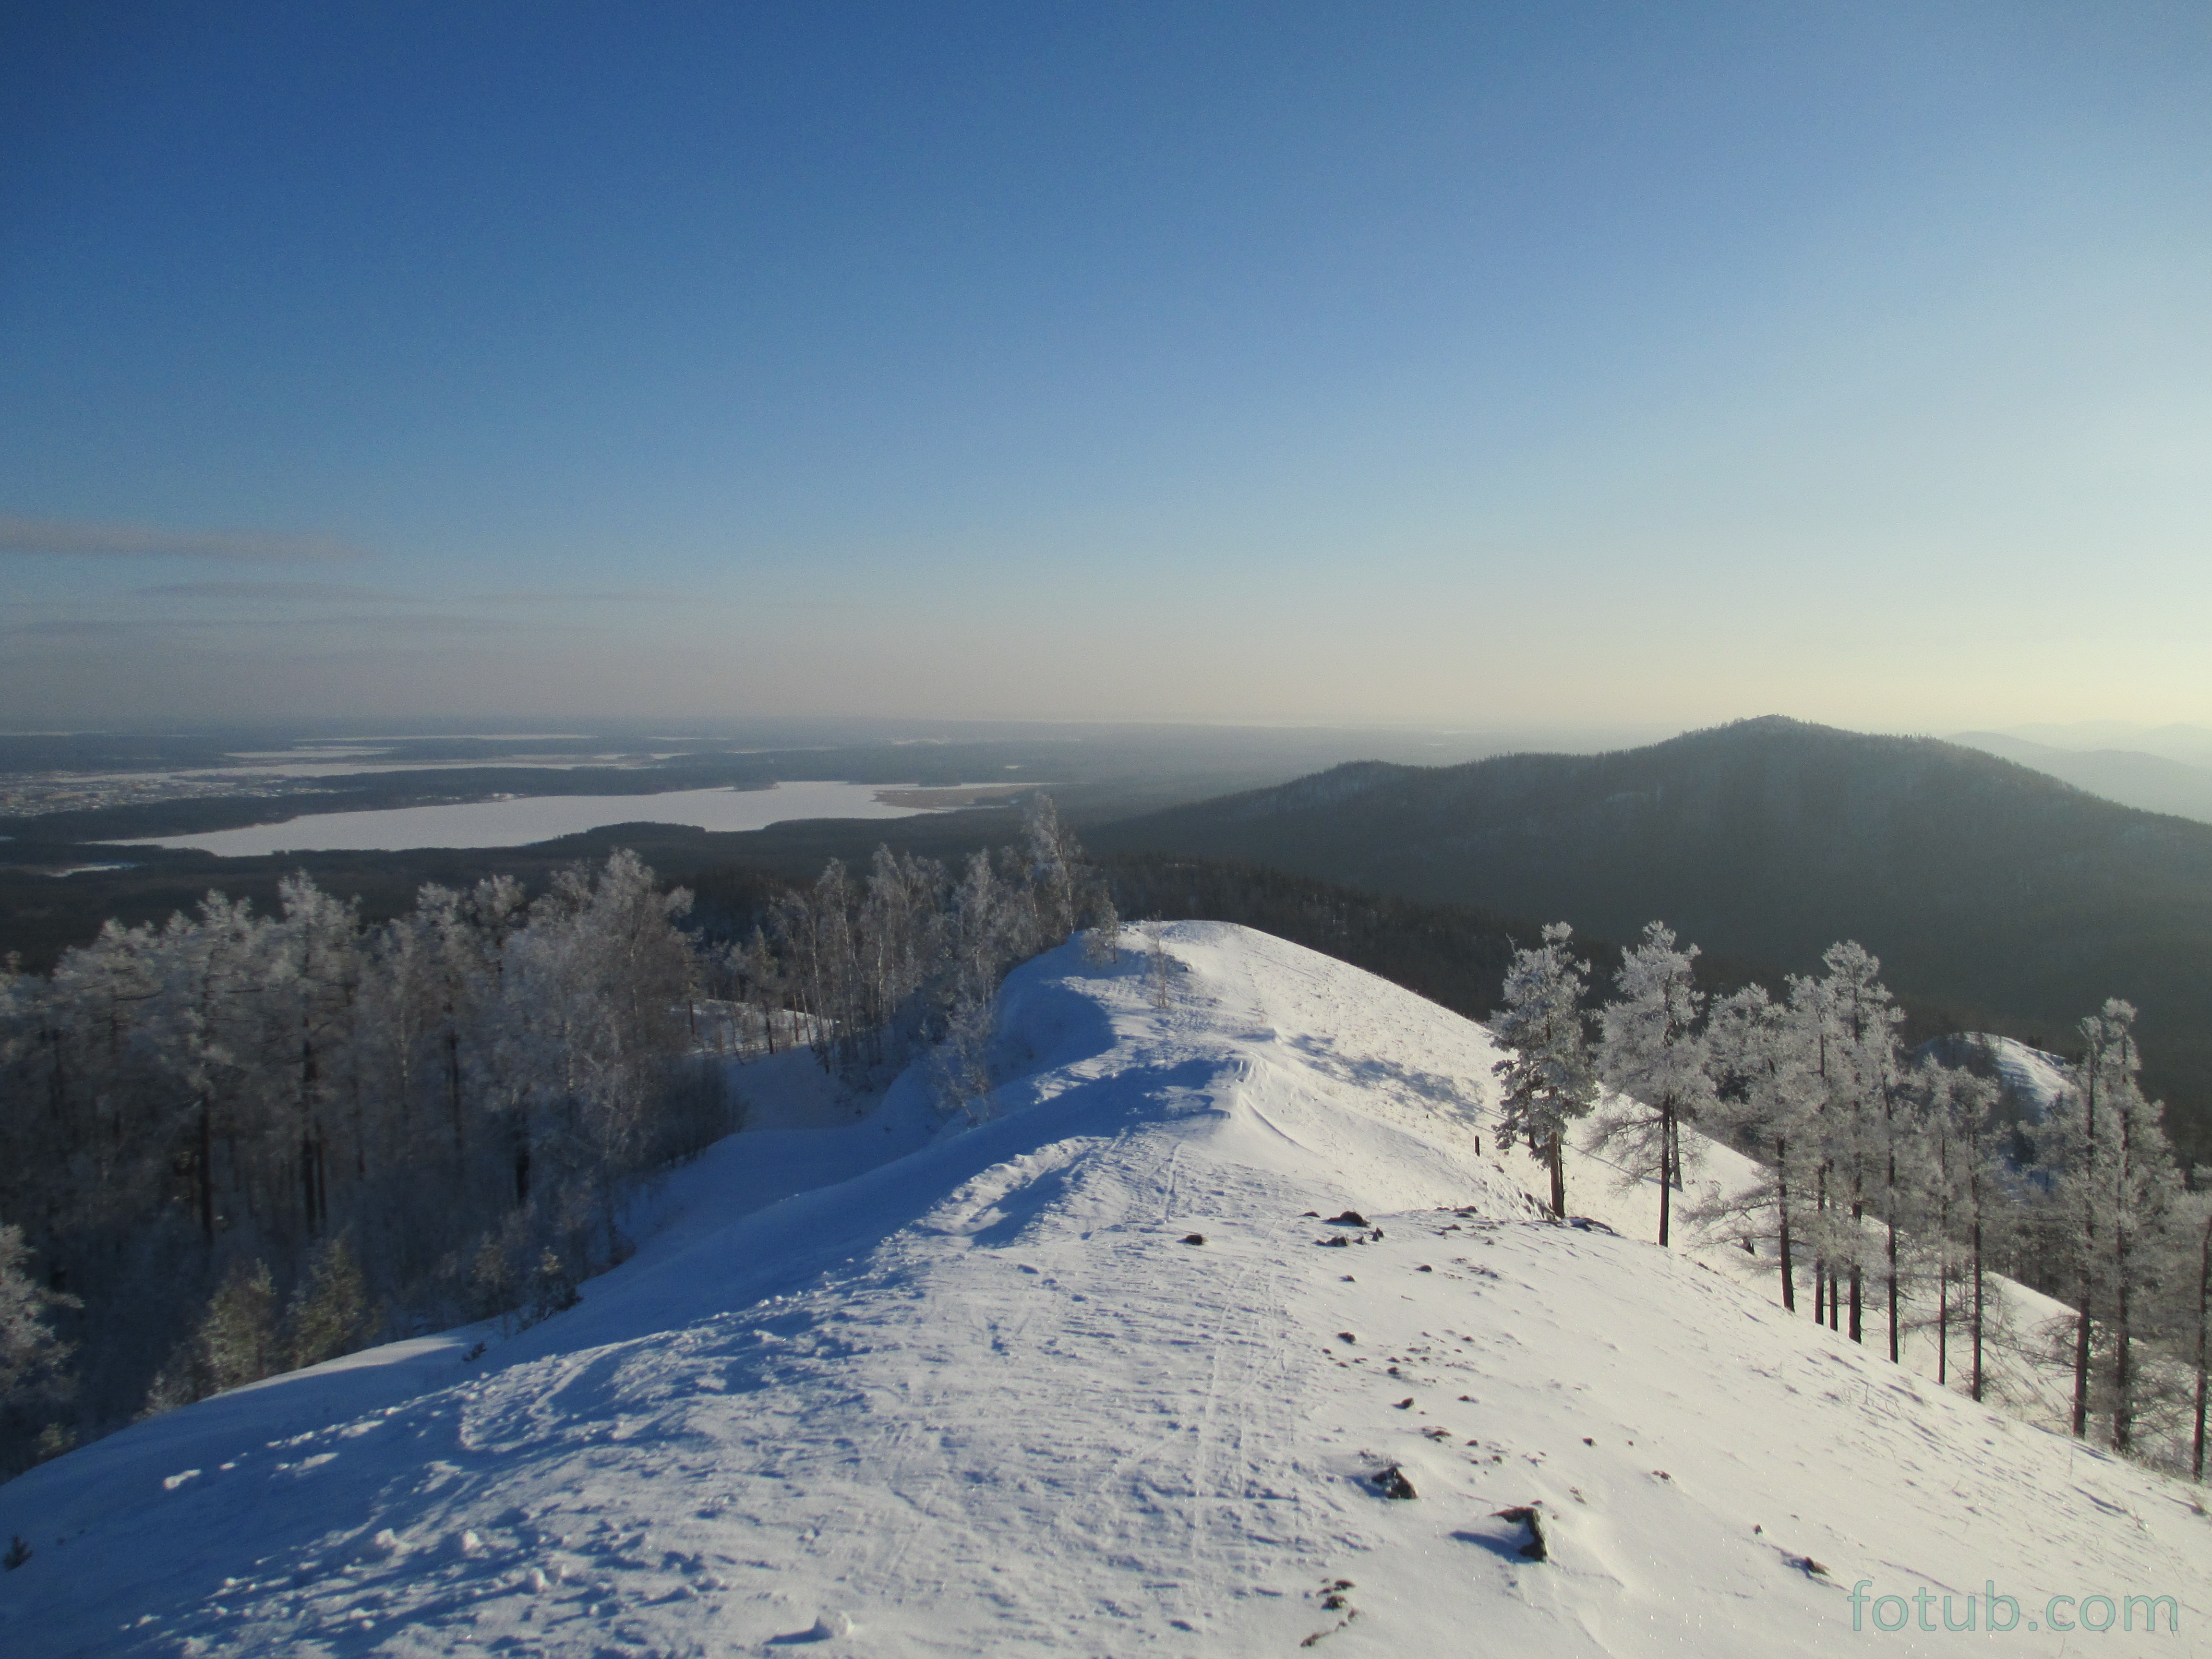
(1999, 895)
(2154, 782)
(980, 1395)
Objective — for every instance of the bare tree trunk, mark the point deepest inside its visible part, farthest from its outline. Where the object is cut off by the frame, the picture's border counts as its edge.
(1978, 1296)
(1858, 1273)
(2123, 1374)
(1821, 1299)
(2124, 1407)
(307, 1133)
(1943, 1273)
(453, 1096)
(1782, 1209)
(1892, 1287)
(1558, 1160)
(206, 1170)
(2081, 1420)
(2203, 1322)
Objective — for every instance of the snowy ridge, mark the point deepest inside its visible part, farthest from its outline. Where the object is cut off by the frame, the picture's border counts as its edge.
(2032, 1079)
(976, 1396)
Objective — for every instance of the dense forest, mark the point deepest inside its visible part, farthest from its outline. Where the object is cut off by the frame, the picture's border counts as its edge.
(235, 1143)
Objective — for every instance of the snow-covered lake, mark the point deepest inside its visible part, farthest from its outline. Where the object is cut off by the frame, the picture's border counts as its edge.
(530, 819)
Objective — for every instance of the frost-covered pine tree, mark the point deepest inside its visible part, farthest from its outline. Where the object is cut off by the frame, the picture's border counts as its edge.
(2116, 1191)
(1962, 1211)
(329, 1315)
(1102, 942)
(1652, 1055)
(1549, 1079)
(237, 1341)
(1757, 1058)
(2198, 1232)
(1852, 1023)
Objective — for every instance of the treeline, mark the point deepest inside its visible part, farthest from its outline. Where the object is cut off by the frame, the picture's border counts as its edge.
(1895, 1185)
(236, 1143)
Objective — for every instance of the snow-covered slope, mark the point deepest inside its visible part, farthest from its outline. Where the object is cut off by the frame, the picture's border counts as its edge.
(979, 1396)
(2033, 1081)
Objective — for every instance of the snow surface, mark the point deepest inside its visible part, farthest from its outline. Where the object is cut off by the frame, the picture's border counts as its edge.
(974, 1395)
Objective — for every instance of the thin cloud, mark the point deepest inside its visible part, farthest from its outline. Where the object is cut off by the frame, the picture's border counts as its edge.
(67, 627)
(332, 591)
(395, 629)
(541, 596)
(67, 539)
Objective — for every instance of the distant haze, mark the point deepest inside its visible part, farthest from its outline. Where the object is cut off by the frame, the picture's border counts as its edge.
(1467, 365)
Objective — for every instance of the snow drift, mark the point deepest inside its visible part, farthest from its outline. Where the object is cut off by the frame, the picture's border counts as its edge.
(1221, 1338)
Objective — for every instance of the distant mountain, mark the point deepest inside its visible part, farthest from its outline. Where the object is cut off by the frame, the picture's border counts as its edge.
(2006, 897)
(2132, 777)
(2178, 741)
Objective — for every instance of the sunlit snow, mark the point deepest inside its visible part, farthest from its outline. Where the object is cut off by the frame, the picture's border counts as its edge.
(880, 1387)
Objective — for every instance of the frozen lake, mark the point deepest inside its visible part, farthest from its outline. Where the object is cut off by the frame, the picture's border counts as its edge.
(541, 818)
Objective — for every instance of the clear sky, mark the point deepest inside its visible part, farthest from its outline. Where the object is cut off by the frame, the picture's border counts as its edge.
(1330, 363)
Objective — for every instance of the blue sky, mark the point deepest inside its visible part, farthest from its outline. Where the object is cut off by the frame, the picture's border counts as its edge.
(1406, 364)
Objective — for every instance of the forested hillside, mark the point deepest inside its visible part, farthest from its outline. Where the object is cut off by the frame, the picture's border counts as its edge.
(2010, 898)
(238, 1143)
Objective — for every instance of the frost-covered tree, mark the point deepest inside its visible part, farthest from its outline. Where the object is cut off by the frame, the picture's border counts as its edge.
(313, 985)
(1759, 1062)
(1852, 1024)
(1055, 859)
(600, 980)
(32, 1358)
(1102, 940)
(1652, 1055)
(2115, 1189)
(329, 1315)
(1961, 1211)
(1547, 1077)
(236, 1342)
(2199, 1230)
(901, 940)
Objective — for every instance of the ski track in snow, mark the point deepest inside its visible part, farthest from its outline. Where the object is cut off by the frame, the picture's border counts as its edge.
(980, 1398)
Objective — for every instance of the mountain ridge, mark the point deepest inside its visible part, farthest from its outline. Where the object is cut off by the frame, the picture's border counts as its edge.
(1986, 887)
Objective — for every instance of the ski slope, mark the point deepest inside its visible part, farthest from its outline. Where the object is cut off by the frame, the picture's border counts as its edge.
(878, 1388)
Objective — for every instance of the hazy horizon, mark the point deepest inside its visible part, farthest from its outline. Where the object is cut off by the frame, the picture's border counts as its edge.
(1472, 368)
